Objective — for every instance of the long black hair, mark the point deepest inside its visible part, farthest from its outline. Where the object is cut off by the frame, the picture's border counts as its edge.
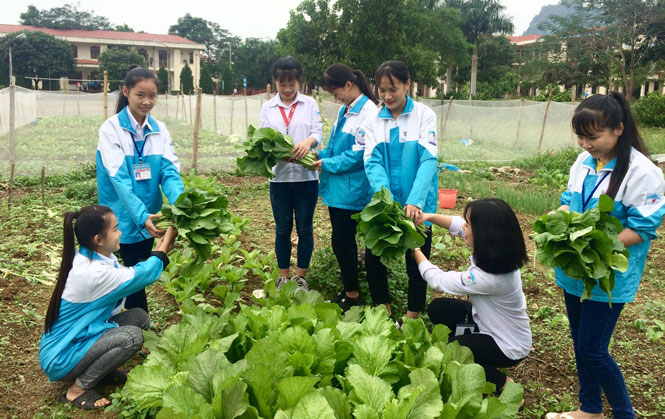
(90, 221)
(498, 244)
(286, 69)
(338, 74)
(598, 112)
(133, 76)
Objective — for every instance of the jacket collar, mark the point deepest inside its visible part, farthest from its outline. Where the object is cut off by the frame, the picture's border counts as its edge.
(127, 122)
(356, 106)
(384, 113)
(90, 254)
(590, 162)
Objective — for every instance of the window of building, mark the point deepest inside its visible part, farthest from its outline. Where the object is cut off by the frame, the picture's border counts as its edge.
(655, 86)
(94, 52)
(152, 62)
(163, 59)
(191, 57)
(75, 51)
(144, 53)
(94, 75)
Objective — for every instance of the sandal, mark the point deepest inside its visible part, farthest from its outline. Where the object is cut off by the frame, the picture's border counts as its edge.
(85, 401)
(114, 378)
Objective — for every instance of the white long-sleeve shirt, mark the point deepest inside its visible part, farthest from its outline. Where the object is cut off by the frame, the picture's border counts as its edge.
(499, 305)
(305, 123)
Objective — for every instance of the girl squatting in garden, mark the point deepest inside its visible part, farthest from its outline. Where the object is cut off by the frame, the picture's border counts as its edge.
(135, 156)
(614, 162)
(499, 334)
(86, 336)
(401, 154)
(344, 186)
(294, 189)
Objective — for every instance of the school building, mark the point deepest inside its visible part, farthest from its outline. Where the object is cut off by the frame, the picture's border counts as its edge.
(168, 51)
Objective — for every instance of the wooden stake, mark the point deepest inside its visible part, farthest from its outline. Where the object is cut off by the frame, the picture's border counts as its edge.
(11, 187)
(445, 121)
(106, 97)
(64, 98)
(191, 115)
(214, 109)
(78, 101)
(244, 93)
(231, 123)
(542, 130)
(43, 179)
(197, 122)
(519, 121)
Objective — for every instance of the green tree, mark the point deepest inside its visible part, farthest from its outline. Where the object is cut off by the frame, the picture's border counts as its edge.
(480, 19)
(495, 58)
(117, 61)
(623, 32)
(253, 59)
(217, 41)
(163, 77)
(123, 28)
(64, 17)
(187, 80)
(35, 54)
(205, 80)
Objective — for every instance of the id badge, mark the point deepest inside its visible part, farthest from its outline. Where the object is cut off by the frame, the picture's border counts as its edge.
(142, 172)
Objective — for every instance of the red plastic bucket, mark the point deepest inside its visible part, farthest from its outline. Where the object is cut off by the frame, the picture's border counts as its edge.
(447, 198)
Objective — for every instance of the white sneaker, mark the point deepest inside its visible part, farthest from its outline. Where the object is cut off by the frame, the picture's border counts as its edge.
(279, 282)
(302, 283)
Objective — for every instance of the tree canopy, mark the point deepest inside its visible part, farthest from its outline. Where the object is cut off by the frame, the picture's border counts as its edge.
(65, 17)
(210, 34)
(117, 61)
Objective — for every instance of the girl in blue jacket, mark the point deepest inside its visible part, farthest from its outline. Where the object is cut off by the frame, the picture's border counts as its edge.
(86, 336)
(343, 183)
(614, 162)
(401, 154)
(135, 156)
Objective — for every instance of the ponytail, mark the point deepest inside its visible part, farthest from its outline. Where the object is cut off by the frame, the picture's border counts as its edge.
(134, 75)
(599, 112)
(336, 75)
(90, 221)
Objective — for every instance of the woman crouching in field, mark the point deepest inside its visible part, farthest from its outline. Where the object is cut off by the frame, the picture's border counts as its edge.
(86, 333)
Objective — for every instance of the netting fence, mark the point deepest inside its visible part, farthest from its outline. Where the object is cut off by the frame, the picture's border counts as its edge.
(59, 130)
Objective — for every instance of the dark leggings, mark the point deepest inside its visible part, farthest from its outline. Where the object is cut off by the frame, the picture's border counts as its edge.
(377, 278)
(344, 245)
(132, 254)
(450, 312)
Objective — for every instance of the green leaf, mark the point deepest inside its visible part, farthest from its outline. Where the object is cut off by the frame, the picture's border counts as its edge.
(146, 385)
(314, 405)
(605, 203)
(367, 389)
(292, 389)
(184, 400)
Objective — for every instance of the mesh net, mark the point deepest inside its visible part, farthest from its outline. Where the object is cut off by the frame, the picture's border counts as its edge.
(59, 130)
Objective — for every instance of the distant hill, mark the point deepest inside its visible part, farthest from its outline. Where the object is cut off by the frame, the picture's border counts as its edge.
(554, 9)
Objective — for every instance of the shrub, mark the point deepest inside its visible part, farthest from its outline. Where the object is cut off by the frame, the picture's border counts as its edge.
(163, 77)
(187, 80)
(650, 110)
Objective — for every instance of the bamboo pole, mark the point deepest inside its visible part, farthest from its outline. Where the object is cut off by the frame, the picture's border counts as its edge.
(231, 123)
(191, 114)
(197, 122)
(78, 100)
(445, 121)
(166, 100)
(106, 96)
(184, 111)
(11, 187)
(64, 98)
(542, 130)
(12, 122)
(214, 109)
(244, 93)
(519, 121)
(470, 117)
(43, 179)
(177, 106)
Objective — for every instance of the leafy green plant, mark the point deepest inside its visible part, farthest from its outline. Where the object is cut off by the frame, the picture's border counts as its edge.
(386, 230)
(585, 246)
(650, 109)
(265, 147)
(297, 356)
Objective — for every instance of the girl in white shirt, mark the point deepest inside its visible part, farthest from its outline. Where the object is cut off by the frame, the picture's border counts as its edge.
(493, 323)
(294, 189)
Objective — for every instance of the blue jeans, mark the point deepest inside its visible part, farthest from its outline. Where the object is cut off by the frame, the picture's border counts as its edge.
(591, 326)
(286, 199)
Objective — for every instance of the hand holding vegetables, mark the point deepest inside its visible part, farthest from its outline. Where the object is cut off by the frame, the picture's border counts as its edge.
(584, 246)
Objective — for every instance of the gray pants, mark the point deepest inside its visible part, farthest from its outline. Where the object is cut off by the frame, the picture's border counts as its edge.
(112, 349)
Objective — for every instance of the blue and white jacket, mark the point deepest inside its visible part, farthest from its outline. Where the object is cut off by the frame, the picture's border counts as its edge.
(94, 292)
(401, 155)
(638, 204)
(343, 183)
(133, 201)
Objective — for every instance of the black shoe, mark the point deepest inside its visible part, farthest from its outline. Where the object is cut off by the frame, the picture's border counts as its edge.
(345, 302)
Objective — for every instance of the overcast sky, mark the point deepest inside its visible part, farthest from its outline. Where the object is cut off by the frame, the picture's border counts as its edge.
(246, 18)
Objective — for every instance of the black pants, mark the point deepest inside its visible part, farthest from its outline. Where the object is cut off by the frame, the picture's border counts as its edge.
(377, 278)
(344, 245)
(132, 254)
(486, 352)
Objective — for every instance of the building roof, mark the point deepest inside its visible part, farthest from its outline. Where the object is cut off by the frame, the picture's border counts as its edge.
(525, 39)
(110, 35)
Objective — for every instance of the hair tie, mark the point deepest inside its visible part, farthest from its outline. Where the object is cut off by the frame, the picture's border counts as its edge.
(76, 215)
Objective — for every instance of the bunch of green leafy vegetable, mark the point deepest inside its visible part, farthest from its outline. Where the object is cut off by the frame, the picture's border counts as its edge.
(386, 229)
(201, 216)
(265, 147)
(298, 357)
(584, 246)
